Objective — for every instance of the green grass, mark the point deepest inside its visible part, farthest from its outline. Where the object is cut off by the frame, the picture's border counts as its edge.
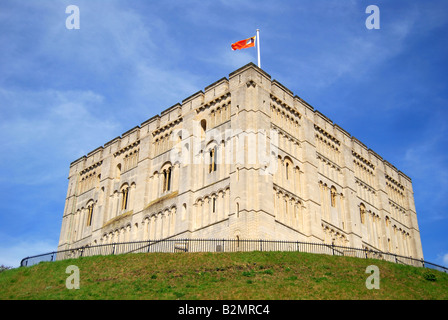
(239, 275)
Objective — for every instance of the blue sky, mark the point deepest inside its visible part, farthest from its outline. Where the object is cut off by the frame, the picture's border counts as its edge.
(64, 92)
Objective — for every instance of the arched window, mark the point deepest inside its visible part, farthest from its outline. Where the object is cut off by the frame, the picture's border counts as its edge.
(166, 173)
(288, 168)
(89, 215)
(362, 213)
(166, 180)
(124, 198)
(213, 158)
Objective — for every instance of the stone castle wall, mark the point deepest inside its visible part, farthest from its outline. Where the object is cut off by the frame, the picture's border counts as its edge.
(244, 158)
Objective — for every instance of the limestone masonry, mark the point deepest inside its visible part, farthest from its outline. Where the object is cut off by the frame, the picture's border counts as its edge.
(243, 159)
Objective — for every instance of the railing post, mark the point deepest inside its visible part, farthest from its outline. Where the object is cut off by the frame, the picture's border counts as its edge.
(24, 262)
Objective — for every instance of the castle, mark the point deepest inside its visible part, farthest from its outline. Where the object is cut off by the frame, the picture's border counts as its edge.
(243, 159)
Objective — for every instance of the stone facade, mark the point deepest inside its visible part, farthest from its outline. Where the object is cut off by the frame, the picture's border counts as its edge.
(243, 159)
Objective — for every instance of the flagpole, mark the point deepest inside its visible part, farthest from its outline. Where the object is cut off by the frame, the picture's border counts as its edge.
(258, 47)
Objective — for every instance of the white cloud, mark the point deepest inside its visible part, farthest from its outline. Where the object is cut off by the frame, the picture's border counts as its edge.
(349, 50)
(48, 126)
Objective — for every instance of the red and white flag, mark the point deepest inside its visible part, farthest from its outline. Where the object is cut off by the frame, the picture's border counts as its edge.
(243, 44)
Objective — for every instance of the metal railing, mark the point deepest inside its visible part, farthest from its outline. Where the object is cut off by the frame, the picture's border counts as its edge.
(225, 245)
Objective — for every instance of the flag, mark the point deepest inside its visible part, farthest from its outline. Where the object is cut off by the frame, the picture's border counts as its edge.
(243, 44)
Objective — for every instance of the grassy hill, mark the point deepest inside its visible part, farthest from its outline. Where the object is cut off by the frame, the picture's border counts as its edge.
(238, 275)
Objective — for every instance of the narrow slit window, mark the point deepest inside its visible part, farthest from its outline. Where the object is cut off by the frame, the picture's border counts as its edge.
(125, 195)
(89, 215)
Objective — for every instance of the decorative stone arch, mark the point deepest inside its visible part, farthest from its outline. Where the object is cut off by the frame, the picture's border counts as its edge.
(173, 218)
(147, 223)
(114, 235)
(118, 171)
(203, 127)
(153, 214)
(146, 218)
(220, 191)
(197, 200)
(335, 238)
(153, 190)
(127, 231)
(279, 158)
(237, 236)
(131, 194)
(123, 185)
(172, 208)
(297, 172)
(166, 165)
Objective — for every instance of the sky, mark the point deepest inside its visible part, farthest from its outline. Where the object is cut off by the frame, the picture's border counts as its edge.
(64, 92)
